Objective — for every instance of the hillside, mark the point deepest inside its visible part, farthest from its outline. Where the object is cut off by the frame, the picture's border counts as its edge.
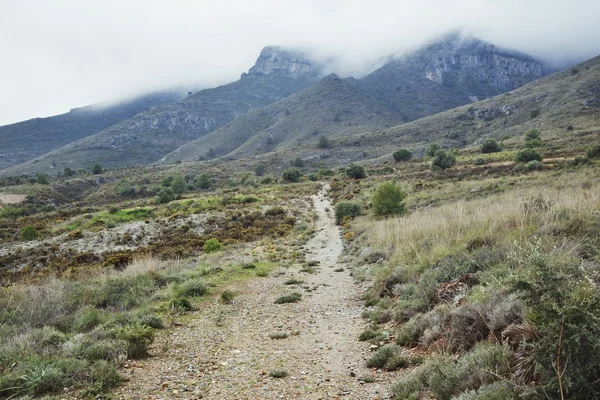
(332, 108)
(447, 73)
(570, 98)
(25, 140)
(150, 135)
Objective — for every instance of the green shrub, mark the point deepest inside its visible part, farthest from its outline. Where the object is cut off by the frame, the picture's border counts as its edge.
(323, 142)
(88, 319)
(29, 233)
(580, 160)
(346, 209)
(298, 162)
(291, 175)
(535, 113)
(431, 150)
(526, 155)
(164, 195)
(191, 288)
(388, 357)
(402, 155)
(212, 245)
(388, 199)
(278, 374)
(259, 169)
(42, 178)
(532, 138)
(356, 172)
(138, 339)
(178, 184)
(534, 165)
(495, 391)
(227, 296)
(289, 298)
(104, 374)
(96, 169)
(313, 177)
(180, 304)
(68, 172)
(443, 159)
(480, 161)
(409, 386)
(593, 151)
(203, 181)
(267, 180)
(490, 146)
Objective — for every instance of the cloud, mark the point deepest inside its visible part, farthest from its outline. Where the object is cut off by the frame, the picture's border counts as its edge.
(68, 53)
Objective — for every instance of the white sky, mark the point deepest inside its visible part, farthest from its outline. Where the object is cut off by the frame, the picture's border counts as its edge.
(60, 54)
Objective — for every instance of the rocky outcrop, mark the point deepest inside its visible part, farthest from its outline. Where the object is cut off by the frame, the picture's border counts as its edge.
(275, 60)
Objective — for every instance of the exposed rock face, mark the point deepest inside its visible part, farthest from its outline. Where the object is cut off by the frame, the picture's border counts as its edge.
(275, 60)
(475, 63)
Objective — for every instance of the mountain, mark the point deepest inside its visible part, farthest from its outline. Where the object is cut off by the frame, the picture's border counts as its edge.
(330, 108)
(23, 141)
(562, 106)
(150, 135)
(447, 73)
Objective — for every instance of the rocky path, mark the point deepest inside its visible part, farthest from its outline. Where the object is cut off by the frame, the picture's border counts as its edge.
(226, 352)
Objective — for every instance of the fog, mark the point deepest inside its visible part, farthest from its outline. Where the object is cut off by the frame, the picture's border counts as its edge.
(62, 54)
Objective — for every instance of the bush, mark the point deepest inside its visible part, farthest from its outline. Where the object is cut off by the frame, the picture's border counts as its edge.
(289, 298)
(178, 184)
(137, 337)
(388, 357)
(480, 161)
(535, 113)
(68, 172)
(42, 178)
(532, 138)
(526, 155)
(388, 199)
(203, 181)
(534, 165)
(298, 162)
(191, 288)
(356, 172)
(29, 233)
(594, 151)
(402, 155)
(212, 245)
(346, 209)
(490, 146)
(430, 151)
(164, 195)
(323, 142)
(96, 169)
(291, 175)
(227, 296)
(259, 170)
(443, 159)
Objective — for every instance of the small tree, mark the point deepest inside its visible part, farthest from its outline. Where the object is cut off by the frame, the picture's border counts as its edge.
(532, 138)
(526, 155)
(402, 155)
(291, 175)
(178, 184)
(388, 199)
(211, 245)
(97, 169)
(323, 142)
(490, 146)
(443, 159)
(356, 172)
(29, 233)
(164, 195)
(68, 172)
(346, 209)
(203, 181)
(42, 178)
(430, 151)
(259, 169)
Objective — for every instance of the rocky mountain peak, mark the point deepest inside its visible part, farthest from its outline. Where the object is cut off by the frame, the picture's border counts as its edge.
(331, 78)
(278, 61)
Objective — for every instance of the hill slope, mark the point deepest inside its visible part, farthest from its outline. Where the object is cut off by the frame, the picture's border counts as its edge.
(331, 108)
(150, 135)
(25, 140)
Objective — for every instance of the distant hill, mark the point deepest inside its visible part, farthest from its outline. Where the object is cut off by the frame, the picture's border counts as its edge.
(150, 135)
(23, 141)
(447, 73)
(331, 108)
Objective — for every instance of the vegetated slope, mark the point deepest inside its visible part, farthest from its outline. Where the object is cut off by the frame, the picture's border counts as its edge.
(150, 135)
(448, 73)
(22, 141)
(568, 104)
(331, 108)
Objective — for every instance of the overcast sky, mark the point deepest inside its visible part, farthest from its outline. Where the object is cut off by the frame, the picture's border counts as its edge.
(60, 54)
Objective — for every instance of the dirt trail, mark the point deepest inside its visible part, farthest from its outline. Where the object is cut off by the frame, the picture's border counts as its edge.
(225, 352)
